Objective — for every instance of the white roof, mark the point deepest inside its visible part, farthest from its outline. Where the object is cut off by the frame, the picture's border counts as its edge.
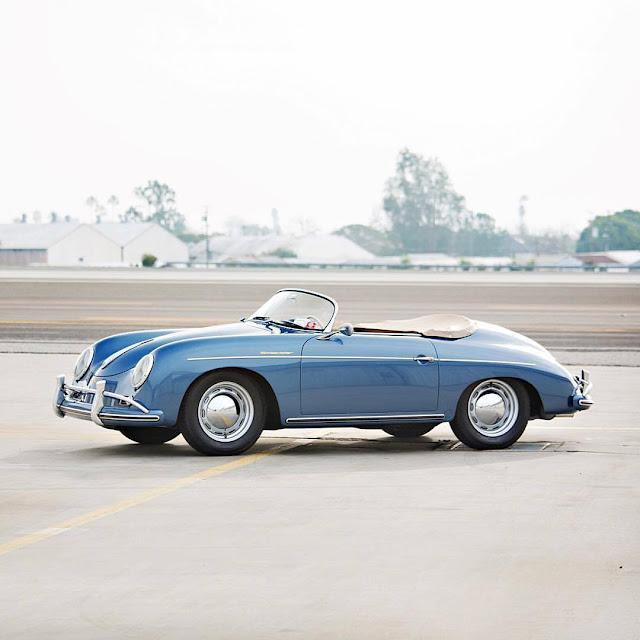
(34, 236)
(624, 257)
(432, 259)
(548, 260)
(321, 248)
(122, 232)
(487, 261)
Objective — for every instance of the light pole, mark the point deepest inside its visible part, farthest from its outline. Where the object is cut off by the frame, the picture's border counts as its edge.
(205, 217)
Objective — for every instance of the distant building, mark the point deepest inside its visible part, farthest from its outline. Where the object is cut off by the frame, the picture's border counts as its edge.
(547, 260)
(68, 244)
(134, 239)
(485, 261)
(609, 259)
(321, 248)
(431, 259)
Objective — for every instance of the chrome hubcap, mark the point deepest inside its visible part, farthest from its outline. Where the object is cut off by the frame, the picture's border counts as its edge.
(225, 411)
(493, 408)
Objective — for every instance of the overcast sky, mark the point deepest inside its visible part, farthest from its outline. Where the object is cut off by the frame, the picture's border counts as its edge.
(303, 106)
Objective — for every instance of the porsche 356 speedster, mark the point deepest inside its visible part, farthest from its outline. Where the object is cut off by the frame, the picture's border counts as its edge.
(285, 366)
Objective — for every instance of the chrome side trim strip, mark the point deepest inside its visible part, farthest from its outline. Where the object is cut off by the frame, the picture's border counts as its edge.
(243, 357)
(357, 358)
(378, 418)
(524, 364)
(293, 357)
(428, 359)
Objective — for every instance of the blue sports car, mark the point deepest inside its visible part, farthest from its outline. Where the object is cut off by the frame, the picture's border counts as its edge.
(285, 366)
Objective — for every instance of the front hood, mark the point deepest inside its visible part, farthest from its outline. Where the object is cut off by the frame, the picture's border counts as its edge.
(128, 357)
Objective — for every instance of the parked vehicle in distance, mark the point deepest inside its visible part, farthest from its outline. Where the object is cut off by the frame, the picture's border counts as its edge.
(284, 366)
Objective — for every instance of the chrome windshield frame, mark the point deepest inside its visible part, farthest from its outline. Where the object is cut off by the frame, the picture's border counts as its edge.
(329, 326)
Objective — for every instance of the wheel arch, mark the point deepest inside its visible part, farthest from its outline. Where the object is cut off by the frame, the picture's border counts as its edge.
(273, 420)
(536, 408)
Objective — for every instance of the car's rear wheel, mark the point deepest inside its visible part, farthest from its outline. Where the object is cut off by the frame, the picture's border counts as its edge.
(150, 435)
(223, 413)
(409, 430)
(492, 414)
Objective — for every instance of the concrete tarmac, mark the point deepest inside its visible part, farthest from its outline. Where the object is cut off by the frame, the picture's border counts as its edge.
(344, 534)
(338, 533)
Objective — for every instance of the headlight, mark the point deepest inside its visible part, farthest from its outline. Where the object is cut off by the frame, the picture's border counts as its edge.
(142, 371)
(82, 363)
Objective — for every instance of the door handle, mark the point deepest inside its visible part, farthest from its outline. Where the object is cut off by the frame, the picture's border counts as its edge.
(424, 359)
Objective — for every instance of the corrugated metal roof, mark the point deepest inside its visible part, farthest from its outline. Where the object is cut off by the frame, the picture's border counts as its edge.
(34, 236)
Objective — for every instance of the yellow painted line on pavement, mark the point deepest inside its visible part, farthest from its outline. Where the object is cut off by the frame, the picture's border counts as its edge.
(146, 496)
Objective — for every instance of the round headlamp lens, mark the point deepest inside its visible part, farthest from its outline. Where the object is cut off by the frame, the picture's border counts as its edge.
(142, 371)
(82, 363)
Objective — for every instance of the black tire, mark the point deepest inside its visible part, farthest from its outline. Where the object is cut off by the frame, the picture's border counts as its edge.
(409, 430)
(206, 437)
(150, 435)
(476, 435)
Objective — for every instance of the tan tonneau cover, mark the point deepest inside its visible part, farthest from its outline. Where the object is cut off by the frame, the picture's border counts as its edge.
(438, 325)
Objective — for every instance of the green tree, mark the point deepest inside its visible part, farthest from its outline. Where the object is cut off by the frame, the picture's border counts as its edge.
(161, 200)
(98, 209)
(131, 215)
(282, 252)
(618, 231)
(426, 214)
(113, 202)
(421, 204)
(479, 236)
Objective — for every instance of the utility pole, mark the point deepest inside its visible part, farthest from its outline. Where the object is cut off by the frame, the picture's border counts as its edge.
(521, 214)
(276, 221)
(205, 217)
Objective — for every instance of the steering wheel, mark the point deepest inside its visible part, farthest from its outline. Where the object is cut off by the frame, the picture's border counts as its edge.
(316, 320)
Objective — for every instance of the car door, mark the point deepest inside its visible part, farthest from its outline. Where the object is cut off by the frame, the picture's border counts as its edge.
(368, 374)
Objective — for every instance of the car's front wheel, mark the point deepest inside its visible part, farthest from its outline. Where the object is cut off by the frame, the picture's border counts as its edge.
(150, 435)
(492, 414)
(409, 430)
(223, 414)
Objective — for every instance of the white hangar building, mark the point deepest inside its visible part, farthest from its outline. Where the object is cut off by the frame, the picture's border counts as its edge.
(70, 244)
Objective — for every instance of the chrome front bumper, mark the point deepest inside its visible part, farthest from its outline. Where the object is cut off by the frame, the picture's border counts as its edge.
(581, 399)
(65, 403)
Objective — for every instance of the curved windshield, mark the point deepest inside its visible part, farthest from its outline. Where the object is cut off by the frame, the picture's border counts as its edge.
(298, 308)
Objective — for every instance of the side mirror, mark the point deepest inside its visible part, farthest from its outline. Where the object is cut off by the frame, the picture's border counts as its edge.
(346, 329)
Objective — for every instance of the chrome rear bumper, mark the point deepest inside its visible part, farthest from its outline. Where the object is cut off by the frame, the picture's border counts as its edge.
(581, 399)
(65, 403)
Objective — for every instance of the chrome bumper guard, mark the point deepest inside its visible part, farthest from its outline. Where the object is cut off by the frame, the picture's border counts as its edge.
(95, 410)
(581, 398)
